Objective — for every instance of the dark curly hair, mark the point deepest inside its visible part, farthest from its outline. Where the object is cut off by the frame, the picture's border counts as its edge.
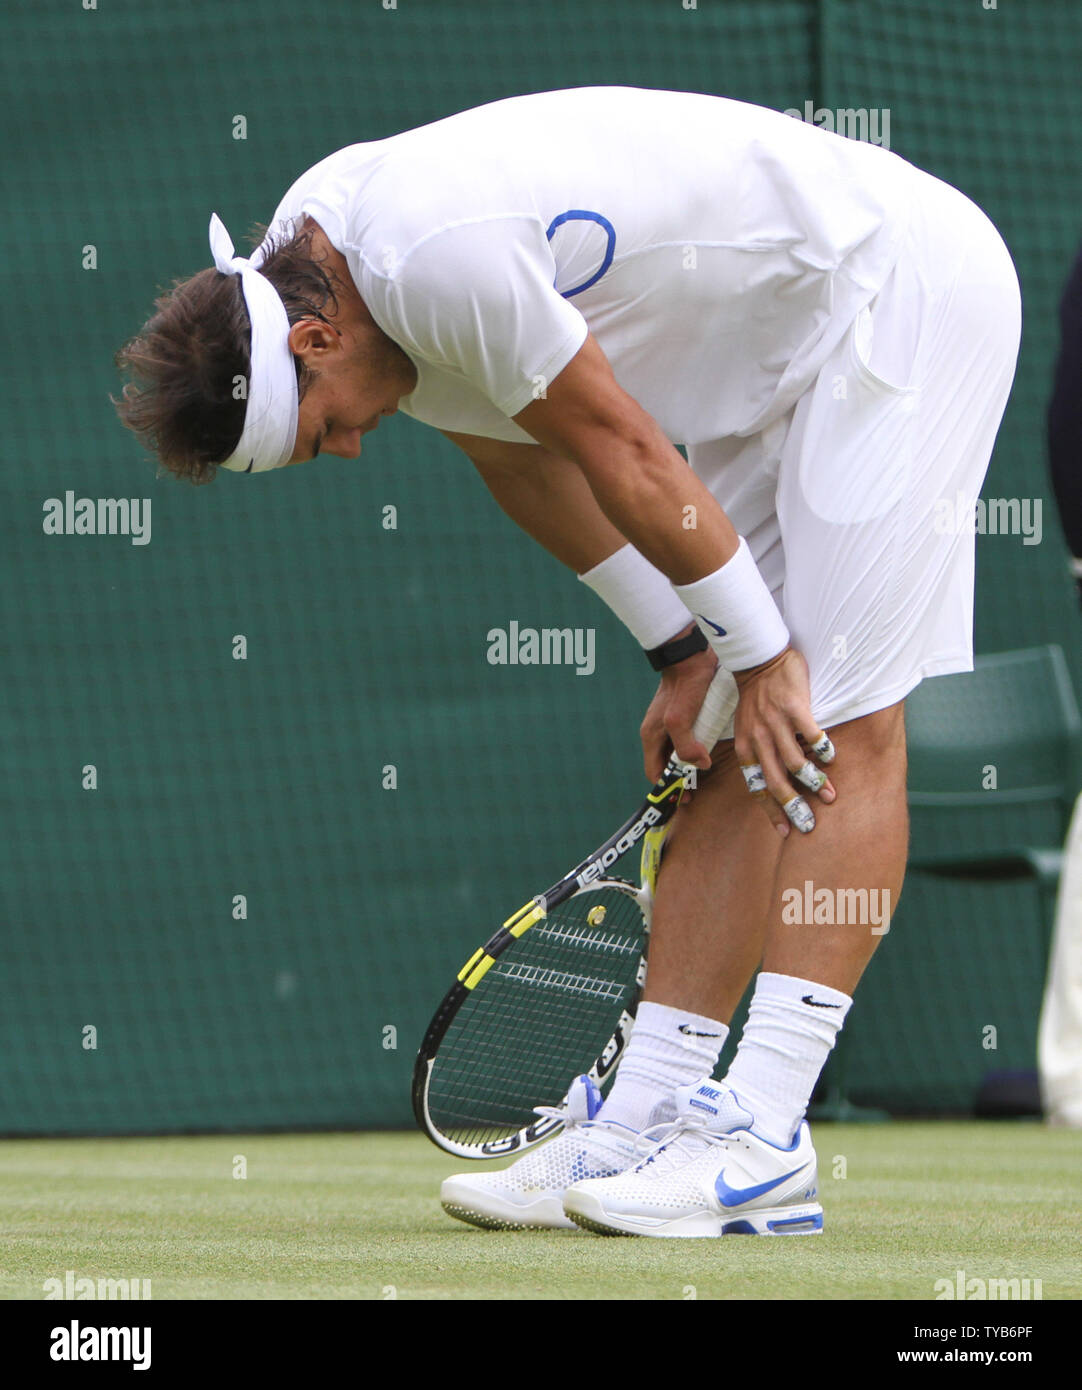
(185, 358)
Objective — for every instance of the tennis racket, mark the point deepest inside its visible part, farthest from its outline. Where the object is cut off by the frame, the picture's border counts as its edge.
(553, 992)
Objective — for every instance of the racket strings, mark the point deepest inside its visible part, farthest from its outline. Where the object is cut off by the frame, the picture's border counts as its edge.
(545, 978)
(539, 1017)
(570, 930)
(563, 931)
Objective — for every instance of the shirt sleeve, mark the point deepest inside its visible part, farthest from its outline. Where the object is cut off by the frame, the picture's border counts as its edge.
(477, 299)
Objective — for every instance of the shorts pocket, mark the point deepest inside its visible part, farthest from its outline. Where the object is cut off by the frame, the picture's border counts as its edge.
(861, 338)
(854, 434)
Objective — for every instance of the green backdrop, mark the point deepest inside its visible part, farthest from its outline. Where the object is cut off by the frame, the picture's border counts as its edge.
(365, 645)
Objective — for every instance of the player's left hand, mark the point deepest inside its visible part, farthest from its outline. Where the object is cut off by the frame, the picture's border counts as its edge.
(772, 721)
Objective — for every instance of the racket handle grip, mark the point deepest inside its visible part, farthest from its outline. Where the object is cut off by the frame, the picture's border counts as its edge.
(713, 719)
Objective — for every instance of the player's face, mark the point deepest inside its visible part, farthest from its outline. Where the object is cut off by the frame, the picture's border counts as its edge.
(360, 378)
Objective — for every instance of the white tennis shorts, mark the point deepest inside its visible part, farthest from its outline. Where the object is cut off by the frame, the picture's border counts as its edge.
(844, 501)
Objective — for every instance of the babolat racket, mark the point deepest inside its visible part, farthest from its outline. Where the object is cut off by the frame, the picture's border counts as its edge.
(553, 993)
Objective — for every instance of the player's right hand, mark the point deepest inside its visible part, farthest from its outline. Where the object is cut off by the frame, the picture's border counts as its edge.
(667, 725)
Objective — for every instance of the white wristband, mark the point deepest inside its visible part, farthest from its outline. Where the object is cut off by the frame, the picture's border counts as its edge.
(640, 596)
(737, 613)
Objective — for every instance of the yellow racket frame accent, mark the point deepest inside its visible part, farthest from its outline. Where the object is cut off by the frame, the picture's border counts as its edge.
(529, 914)
(533, 912)
(676, 789)
(476, 967)
(650, 860)
(526, 917)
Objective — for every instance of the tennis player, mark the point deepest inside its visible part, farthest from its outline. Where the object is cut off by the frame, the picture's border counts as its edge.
(568, 285)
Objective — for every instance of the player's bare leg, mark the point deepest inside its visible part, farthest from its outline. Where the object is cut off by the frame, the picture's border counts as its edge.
(719, 915)
(739, 1158)
(865, 840)
(719, 905)
(713, 896)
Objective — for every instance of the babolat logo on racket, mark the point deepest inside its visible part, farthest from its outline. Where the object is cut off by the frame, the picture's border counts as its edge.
(596, 867)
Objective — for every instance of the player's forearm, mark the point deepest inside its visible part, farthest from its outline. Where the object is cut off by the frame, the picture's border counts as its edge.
(642, 484)
(683, 531)
(549, 498)
(554, 505)
(650, 494)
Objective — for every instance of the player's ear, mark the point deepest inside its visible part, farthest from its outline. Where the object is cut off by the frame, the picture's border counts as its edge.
(312, 339)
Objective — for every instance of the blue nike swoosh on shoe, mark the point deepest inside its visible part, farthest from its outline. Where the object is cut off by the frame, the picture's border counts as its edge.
(580, 1173)
(733, 1196)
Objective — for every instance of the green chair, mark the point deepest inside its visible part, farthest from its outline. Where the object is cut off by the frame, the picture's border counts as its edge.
(994, 769)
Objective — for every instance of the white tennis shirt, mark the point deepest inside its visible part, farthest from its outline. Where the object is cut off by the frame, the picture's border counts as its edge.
(717, 251)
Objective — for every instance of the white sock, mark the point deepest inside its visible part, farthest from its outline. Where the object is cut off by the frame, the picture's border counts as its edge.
(791, 1028)
(668, 1048)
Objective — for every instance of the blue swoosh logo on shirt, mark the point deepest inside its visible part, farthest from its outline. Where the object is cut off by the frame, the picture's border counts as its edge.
(734, 1196)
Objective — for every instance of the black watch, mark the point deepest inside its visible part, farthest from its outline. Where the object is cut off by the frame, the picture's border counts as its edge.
(669, 653)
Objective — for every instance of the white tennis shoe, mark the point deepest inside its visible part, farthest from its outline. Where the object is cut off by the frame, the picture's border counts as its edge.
(708, 1175)
(529, 1194)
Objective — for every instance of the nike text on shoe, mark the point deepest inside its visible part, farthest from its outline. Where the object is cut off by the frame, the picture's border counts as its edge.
(529, 1194)
(706, 1175)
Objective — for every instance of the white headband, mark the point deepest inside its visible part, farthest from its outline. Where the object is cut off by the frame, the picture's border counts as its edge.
(270, 418)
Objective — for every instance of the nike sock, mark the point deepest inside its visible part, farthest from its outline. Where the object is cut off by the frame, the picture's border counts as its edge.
(668, 1048)
(791, 1028)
